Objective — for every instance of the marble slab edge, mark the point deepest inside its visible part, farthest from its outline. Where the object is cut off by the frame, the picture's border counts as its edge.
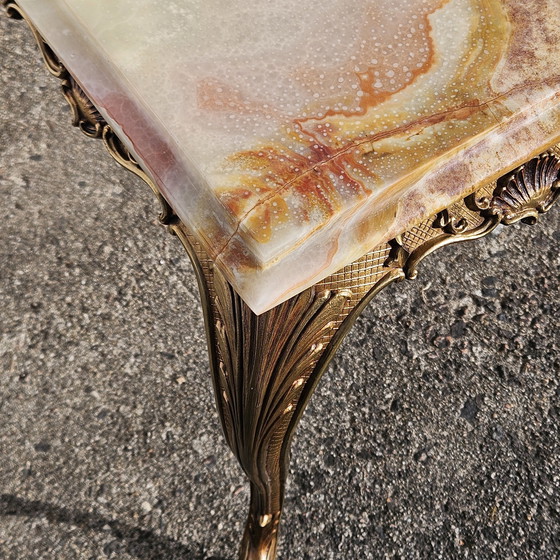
(527, 135)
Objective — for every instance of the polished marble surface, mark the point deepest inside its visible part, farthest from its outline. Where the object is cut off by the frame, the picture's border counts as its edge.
(294, 140)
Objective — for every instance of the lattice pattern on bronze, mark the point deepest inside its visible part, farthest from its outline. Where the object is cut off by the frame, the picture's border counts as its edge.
(415, 236)
(363, 274)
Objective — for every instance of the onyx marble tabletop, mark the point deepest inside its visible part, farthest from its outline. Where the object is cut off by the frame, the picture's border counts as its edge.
(293, 141)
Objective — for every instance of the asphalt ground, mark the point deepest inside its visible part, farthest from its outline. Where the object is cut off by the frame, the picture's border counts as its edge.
(434, 433)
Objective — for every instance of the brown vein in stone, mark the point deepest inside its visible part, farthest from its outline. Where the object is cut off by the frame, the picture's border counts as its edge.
(451, 114)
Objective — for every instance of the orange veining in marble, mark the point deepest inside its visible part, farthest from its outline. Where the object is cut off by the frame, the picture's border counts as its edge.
(330, 157)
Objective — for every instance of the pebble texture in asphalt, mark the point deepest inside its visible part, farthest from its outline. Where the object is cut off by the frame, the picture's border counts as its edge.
(434, 433)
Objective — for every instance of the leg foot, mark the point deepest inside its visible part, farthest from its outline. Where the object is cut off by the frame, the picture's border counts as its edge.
(261, 532)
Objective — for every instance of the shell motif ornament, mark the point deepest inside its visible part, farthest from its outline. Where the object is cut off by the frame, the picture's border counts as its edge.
(527, 192)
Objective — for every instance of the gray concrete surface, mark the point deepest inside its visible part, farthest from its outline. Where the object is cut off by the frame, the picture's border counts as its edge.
(434, 434)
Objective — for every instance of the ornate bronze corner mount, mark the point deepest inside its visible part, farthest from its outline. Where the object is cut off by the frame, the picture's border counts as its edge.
(521, 195)
(265, 368)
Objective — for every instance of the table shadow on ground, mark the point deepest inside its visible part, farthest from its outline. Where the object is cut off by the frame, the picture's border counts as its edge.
(139, 543)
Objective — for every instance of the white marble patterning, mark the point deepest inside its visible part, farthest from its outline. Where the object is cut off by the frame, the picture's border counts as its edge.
(293, 137)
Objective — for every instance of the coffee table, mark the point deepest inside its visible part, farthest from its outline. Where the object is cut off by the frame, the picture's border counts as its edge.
(320, 311)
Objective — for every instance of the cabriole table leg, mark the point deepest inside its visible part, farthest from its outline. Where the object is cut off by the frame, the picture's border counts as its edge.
(266, 367)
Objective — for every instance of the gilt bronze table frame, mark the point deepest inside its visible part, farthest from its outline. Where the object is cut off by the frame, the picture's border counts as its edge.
(265, 368)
